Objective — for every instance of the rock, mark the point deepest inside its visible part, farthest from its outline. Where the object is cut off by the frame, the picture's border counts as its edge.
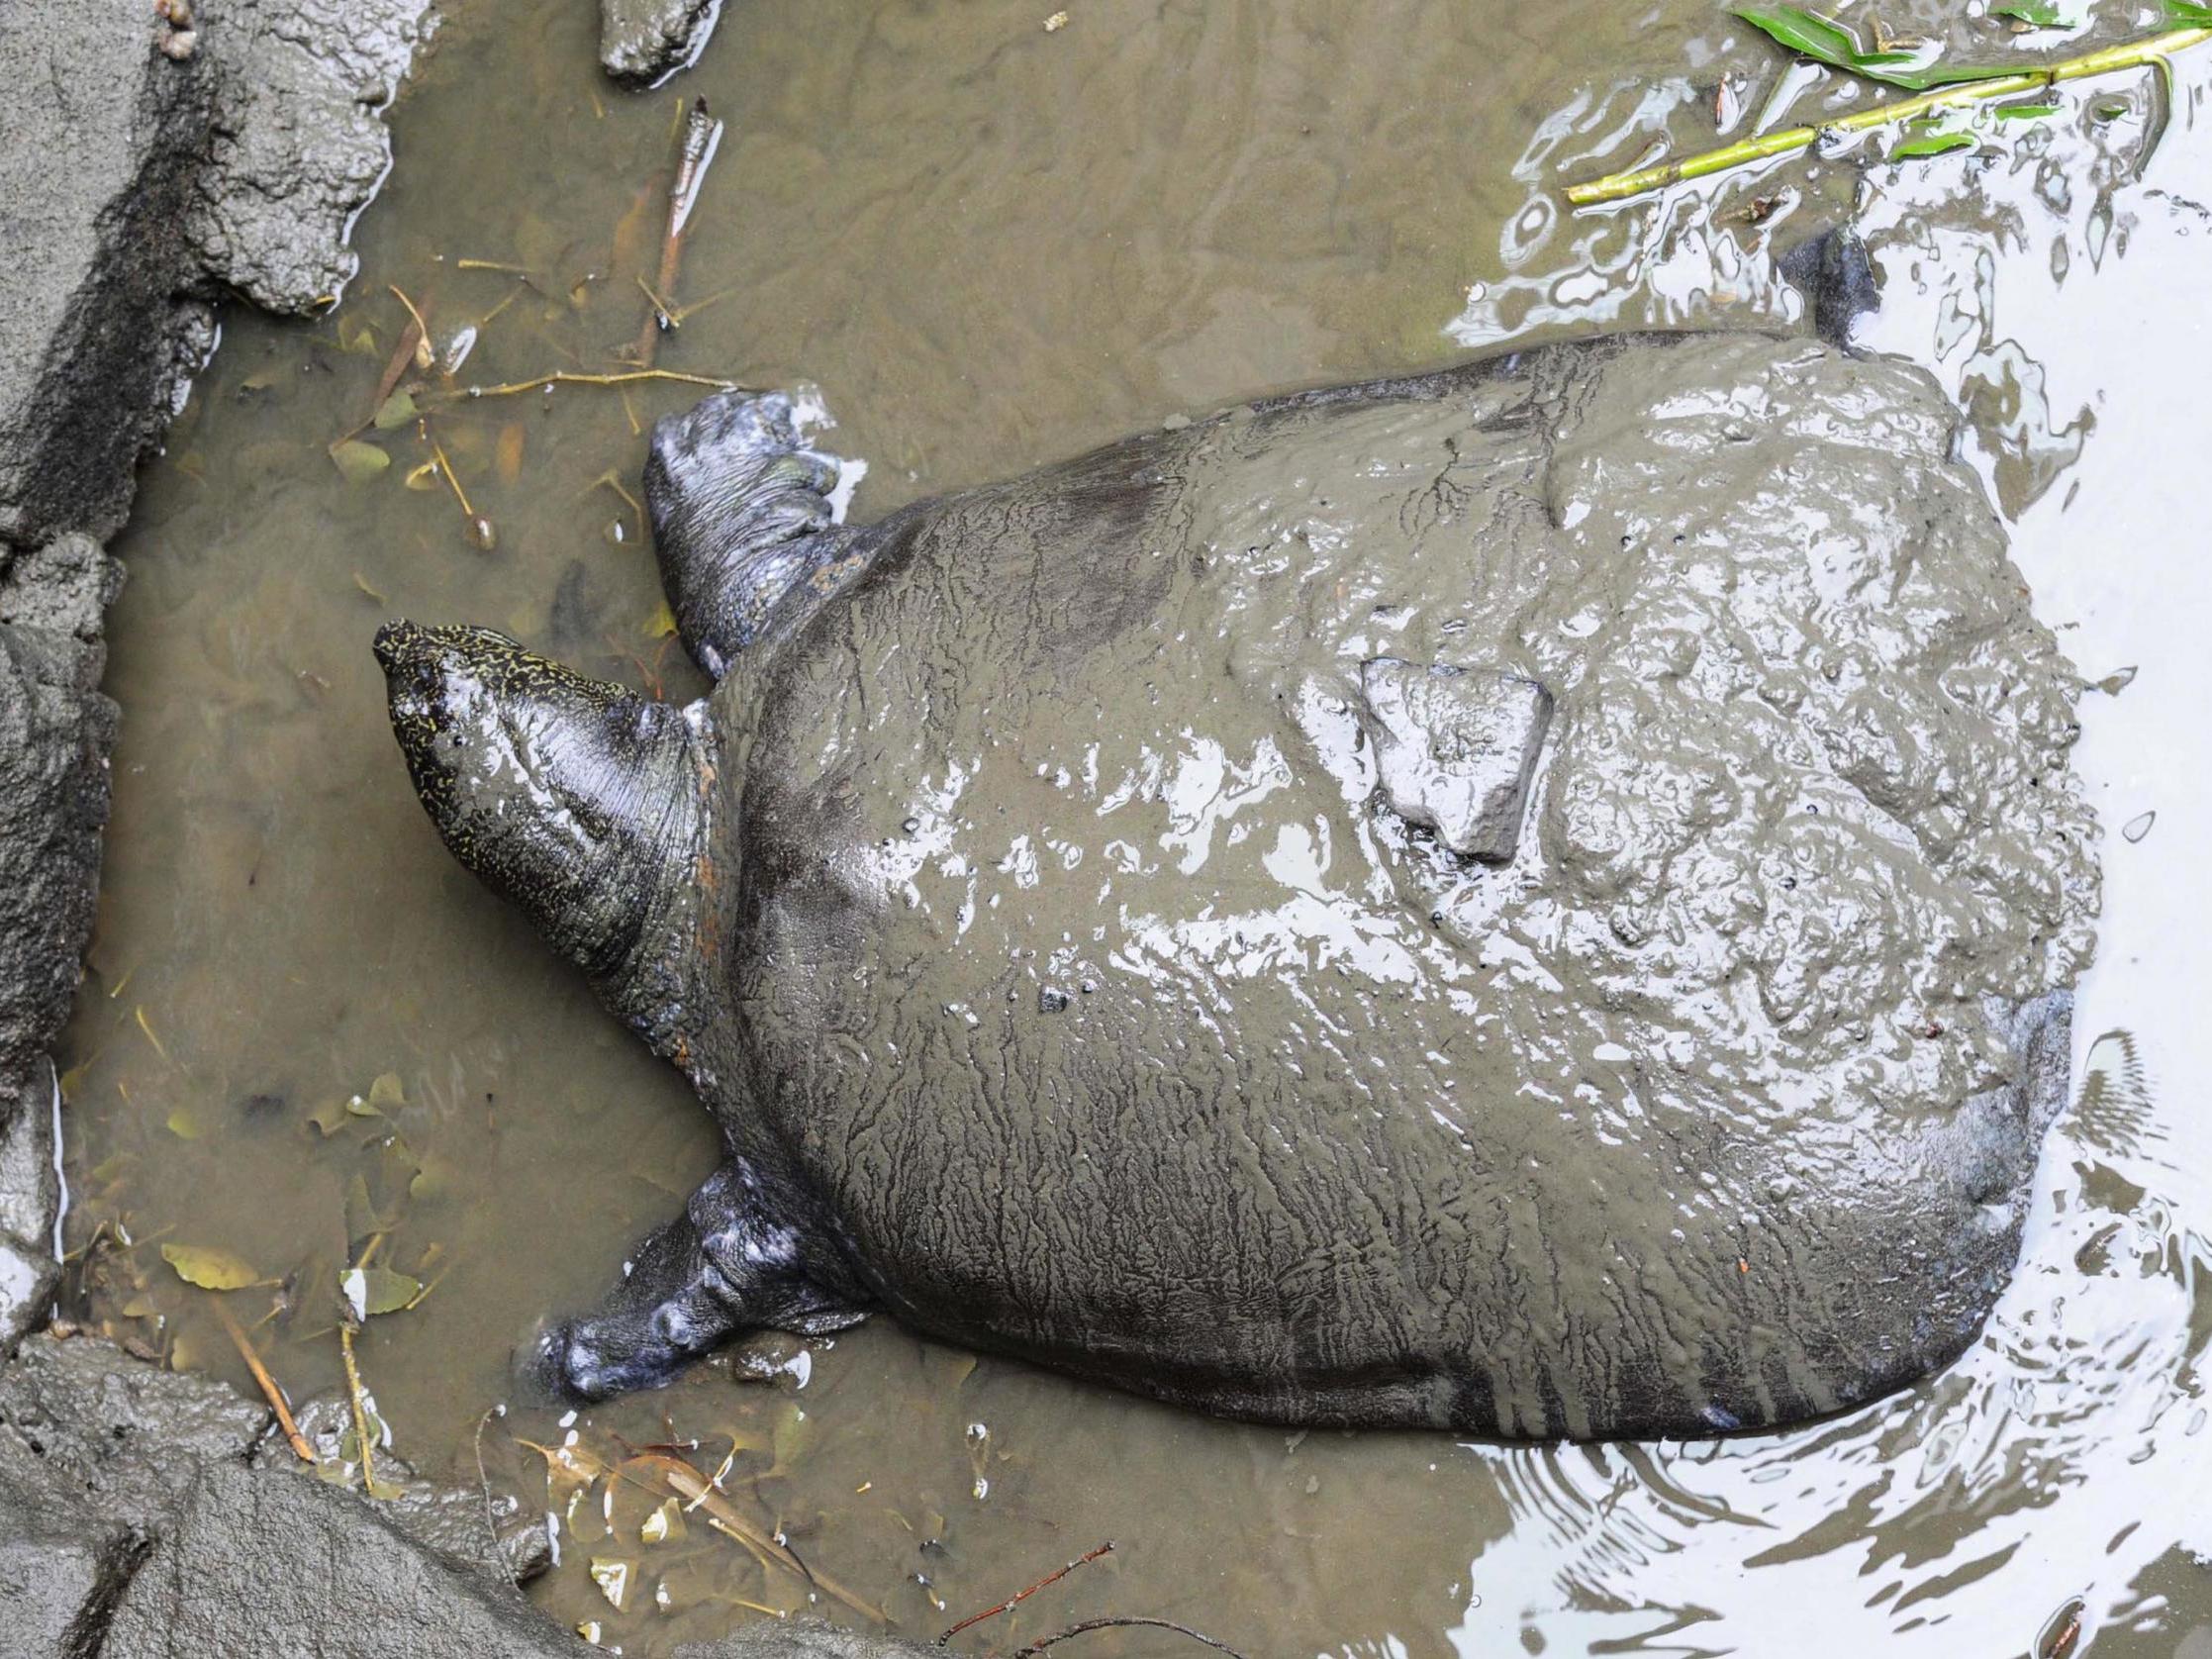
(284, 1568)
(55, 730)
(450, 1519)
(96, 183)
(298, 144)
(28, 1276)
(643, 41)
(119, 1438)
(61, 1574)
(1455, 750)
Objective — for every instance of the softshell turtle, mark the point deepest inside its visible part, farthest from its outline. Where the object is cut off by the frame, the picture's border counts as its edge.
(1536, 899)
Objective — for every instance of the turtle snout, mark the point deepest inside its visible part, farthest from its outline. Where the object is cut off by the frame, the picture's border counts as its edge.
(395, 642)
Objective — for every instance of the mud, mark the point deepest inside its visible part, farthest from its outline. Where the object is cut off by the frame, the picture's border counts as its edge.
(1014, 245)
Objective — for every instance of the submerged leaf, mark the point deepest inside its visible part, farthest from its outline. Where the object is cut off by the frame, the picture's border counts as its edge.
(395, 411)
(208, 1267)
(1930, 144)
(2188, 14)
(387, 1092)
(185, 1123)
(613, 1578)
(662, 623)
(357, 462)
(371, 1291)
(329, 1117)
(2026, 112)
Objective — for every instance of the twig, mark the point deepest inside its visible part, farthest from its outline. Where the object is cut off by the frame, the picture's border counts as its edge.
(1010, 1601)
(484, 1485)
(361, 1411)
(269, 1391)
(702, 133)
(1089, 1624)
(2134, 55)
(571, 378)
(420, 326)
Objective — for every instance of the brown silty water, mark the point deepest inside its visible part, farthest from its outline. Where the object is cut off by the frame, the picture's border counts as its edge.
(994, 245)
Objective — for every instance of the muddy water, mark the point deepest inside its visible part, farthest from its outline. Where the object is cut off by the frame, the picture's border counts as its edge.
(992, 246)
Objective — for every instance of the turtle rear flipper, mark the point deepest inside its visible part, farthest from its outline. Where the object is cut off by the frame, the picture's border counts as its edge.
(726, 1265)
(743, 523)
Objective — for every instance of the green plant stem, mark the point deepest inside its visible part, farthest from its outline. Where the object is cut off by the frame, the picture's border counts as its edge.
(2135, 55)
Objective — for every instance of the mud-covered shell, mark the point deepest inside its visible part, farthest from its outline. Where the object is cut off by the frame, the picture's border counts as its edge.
(1076, 962)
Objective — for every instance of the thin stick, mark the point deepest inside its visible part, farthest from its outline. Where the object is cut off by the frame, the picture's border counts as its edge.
(269, 1391)
(1089, 1624)
(446, 467)
(702, 133)
(2134, 55)
(361, 1411)
(1010, 1601)
(411, 311)
(571, 378)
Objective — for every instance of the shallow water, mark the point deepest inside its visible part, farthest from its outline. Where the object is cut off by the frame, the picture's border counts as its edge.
(992, 245)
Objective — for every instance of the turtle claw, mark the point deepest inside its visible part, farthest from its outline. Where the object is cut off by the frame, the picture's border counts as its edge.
(742, 520)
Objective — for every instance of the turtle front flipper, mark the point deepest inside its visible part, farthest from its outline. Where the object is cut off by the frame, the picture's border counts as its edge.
(743, 524)
(725, 1265)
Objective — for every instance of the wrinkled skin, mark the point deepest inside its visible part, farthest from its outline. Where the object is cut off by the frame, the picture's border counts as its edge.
(1028, 906)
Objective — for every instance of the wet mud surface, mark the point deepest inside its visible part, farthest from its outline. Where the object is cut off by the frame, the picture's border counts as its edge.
(995, 246)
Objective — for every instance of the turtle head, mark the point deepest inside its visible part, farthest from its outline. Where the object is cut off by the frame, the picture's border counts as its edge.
(580, 801)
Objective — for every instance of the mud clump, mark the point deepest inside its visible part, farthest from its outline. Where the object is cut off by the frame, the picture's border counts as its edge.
(643, 42)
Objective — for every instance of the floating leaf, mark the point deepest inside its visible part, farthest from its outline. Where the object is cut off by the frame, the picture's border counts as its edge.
(208, 1267)
(357, 462)
(395, 411)
(1930, 144)
(1825, 40)
(2037, 14)
(370, 1291)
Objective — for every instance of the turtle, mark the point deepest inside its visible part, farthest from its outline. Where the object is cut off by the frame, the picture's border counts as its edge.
(1537, 899)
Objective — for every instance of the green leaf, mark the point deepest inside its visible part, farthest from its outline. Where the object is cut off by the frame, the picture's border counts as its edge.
(1932, 143)
(2026, 112)
(2188, 14)
(208, 1267)
(1827, 41)
(377, 1289)
(358, 461)
(2037, 14)
(1805, 33)
(395, 411)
